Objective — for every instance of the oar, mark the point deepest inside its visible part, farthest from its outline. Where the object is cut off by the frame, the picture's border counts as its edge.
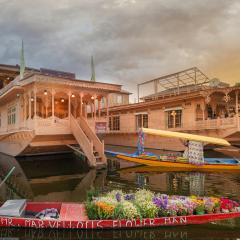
(7, 176)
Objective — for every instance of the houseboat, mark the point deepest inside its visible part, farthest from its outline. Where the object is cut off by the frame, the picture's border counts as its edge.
(44, 111)
(186, 101)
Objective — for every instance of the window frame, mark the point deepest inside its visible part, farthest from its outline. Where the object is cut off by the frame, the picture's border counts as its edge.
(12, 115)
(141, 120)
(114, 123)
(174, 121)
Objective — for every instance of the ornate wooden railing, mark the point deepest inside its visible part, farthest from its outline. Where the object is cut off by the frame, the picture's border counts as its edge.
(85, 143)
(216, 123)
(98, 145)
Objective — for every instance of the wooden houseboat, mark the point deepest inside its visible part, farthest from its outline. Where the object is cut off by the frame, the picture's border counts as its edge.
(46, 111)
(186, 101)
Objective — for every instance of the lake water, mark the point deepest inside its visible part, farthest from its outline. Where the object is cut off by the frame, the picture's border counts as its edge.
(66, 178)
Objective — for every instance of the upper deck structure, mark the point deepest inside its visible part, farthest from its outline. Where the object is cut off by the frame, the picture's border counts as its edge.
(51, 109)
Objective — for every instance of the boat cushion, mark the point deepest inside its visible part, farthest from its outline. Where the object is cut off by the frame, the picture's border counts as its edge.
(73, 212)
(13, 208)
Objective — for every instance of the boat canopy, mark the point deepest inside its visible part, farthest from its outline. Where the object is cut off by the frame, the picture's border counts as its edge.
(186, 136)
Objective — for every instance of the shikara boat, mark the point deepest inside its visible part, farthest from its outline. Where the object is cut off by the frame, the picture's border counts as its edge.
(179, 163)
(180, 166)
(154, 169)
(73, 216)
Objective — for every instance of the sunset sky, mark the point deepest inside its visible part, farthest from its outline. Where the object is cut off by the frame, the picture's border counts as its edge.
(131, 40)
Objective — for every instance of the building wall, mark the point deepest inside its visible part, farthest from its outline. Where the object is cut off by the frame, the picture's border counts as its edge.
(127, 122)
(157, 119)
(116, 99)
(4, 116)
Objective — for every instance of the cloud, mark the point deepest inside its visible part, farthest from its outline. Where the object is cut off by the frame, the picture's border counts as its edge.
(131, 40)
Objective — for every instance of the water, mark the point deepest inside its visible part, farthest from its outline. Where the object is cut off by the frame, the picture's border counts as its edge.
(66, 178)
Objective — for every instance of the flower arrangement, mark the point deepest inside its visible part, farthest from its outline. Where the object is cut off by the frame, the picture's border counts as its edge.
(126, 210)
(147, 208)
(228, 205)
(143, 195)
(145, 204)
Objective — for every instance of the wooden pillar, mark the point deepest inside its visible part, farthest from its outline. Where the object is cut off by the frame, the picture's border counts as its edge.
(85, 109)
(236, 109)
(94, 107)
(35, 104)
(203, 109)
(69, 105)
(30, 106)
(91, 104)
(46, 106)
(99, 106)
(53, 106)
(81, 105)
(107, 107)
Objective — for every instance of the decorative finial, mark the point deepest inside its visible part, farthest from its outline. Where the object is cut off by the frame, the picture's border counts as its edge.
(93, 78)
(22, 62)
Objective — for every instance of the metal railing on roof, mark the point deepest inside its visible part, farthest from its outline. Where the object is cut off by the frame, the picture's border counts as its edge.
(175, 83)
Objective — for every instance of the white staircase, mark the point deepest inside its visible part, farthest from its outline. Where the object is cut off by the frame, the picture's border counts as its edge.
(88, 141)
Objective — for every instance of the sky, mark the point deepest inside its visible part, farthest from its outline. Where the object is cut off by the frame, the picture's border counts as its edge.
(131, 40)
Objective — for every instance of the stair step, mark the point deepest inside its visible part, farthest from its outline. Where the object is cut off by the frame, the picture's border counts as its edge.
(100, 165)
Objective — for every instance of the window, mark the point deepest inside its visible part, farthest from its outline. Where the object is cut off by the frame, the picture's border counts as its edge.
(119, 99)
(114, 123)
(12, 115)
(174, 119)
(199, 113)
(141, 121)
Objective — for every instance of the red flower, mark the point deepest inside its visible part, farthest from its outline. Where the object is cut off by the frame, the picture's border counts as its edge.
(228, 204)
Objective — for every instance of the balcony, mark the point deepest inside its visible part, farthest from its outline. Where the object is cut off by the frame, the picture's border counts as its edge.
(218, 123)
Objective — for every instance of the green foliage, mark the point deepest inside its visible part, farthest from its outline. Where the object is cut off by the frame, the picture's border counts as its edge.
(144, 195)
(93, 193)
(200, 209)
(126, 210)
(147, 209)
(92, 210)
(237, 84)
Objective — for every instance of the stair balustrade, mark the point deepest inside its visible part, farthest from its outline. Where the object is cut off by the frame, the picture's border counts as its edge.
(98, 145)
(85, 143)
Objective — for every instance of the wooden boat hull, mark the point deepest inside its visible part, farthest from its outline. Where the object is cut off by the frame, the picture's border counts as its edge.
(110, 224)
(181, 166)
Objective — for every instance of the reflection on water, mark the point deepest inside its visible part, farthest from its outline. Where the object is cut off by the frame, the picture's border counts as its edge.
(66, 178)
(180, 233)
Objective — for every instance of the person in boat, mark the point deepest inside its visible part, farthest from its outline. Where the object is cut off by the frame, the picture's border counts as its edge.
(194, 152)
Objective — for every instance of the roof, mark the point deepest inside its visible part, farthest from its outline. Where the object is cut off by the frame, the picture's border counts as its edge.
(125, 92)
(16, 67)
(176, 82)
(10, 72)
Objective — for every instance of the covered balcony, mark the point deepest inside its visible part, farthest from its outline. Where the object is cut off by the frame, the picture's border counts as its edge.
(220, 109)
(48, 110)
